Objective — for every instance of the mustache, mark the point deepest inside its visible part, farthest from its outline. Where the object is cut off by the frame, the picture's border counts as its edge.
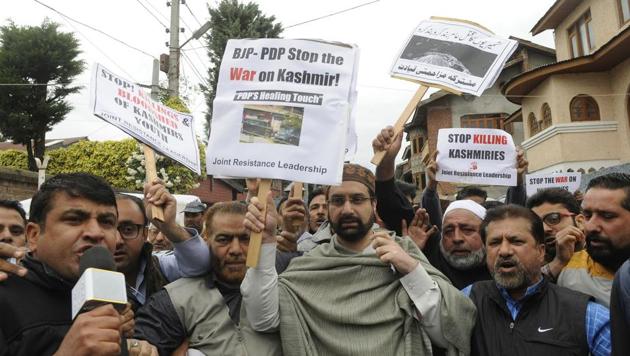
(348, 218)
(505, 262)
(595, 237)
(241, 259)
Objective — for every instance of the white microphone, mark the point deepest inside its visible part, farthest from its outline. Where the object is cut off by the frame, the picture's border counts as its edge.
(99, 283)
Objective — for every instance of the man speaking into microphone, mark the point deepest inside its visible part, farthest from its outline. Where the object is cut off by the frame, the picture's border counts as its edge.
(70, 214)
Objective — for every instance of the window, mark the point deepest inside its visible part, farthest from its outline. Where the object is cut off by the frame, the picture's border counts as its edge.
(584, 108)
(624, 11)
(546, 117)
(581, 36)
(533, 124)
(483, 121)
(416, 144)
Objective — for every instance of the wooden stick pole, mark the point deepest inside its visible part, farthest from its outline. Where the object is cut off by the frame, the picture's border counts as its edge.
(296, 193)
(255, 239)
(404, 116)
(151, 172)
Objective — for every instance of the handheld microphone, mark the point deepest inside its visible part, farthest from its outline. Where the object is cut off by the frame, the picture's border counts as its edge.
(99, 283)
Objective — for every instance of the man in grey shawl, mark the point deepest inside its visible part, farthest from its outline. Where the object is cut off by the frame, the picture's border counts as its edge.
(366, 292)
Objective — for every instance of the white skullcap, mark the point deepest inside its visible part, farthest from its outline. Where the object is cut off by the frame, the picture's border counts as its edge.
(466, 204)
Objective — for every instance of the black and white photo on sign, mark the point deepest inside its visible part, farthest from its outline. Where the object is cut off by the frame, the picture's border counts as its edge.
(460, 57)
(452, 54)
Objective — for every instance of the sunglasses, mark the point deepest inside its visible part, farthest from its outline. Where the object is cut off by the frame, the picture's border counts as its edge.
(552, 219)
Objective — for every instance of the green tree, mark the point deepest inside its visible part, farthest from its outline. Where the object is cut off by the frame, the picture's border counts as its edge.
(120, 163)
(42, 61)
(229, 20)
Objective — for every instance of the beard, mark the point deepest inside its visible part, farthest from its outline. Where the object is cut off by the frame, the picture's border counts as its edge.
(230, 273)
(605, 253)
(463, 263)
(518, 278)
(352, 234)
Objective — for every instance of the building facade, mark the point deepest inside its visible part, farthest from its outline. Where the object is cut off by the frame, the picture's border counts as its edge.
(446, 110)
(576, 111)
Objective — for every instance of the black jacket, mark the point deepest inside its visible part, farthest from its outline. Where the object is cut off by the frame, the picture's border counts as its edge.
(35, 311)
(551, 322)
(153, 277)
(620, 312)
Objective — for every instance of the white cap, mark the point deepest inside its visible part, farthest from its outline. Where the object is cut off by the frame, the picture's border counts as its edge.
(466, 204)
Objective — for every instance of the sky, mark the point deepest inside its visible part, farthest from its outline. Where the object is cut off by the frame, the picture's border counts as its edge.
(379, 28)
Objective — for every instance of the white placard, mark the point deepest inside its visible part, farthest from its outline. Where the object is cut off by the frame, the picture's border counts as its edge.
(453, 54)
(476, 156)
(125, 105)
(282, 110)
(568, 181)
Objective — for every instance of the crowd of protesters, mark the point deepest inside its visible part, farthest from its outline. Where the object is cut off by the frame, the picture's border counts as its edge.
(356, 269)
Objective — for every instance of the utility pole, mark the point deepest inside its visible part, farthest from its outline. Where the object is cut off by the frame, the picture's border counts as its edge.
(175, 48)
(155, 81)
(173, 63)
(41, 170)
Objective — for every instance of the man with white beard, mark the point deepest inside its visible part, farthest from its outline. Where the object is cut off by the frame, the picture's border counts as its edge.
(461, 255)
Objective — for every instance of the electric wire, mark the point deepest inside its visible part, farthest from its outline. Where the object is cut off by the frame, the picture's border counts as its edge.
(94, 29)
(193, 14)
(332, 14)
(152, 14)
(199, 76)
(99, 49)
(157, 11)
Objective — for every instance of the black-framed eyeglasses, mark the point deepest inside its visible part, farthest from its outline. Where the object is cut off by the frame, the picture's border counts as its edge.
(340, 200)
(129, 231)
(554, 218)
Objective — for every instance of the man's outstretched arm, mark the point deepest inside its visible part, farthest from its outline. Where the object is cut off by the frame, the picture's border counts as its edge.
(260, 286)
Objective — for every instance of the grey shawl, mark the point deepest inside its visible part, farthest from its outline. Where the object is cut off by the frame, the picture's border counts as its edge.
(337, 302)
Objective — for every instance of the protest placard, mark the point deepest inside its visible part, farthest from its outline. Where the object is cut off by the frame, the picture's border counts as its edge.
(455, 54)
(476, 156)
(282, 110)
(568, 181)
(127, 106)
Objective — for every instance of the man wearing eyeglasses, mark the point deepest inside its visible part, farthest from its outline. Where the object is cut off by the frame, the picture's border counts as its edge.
(569, 263)
(146, 273)
(366, 292)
